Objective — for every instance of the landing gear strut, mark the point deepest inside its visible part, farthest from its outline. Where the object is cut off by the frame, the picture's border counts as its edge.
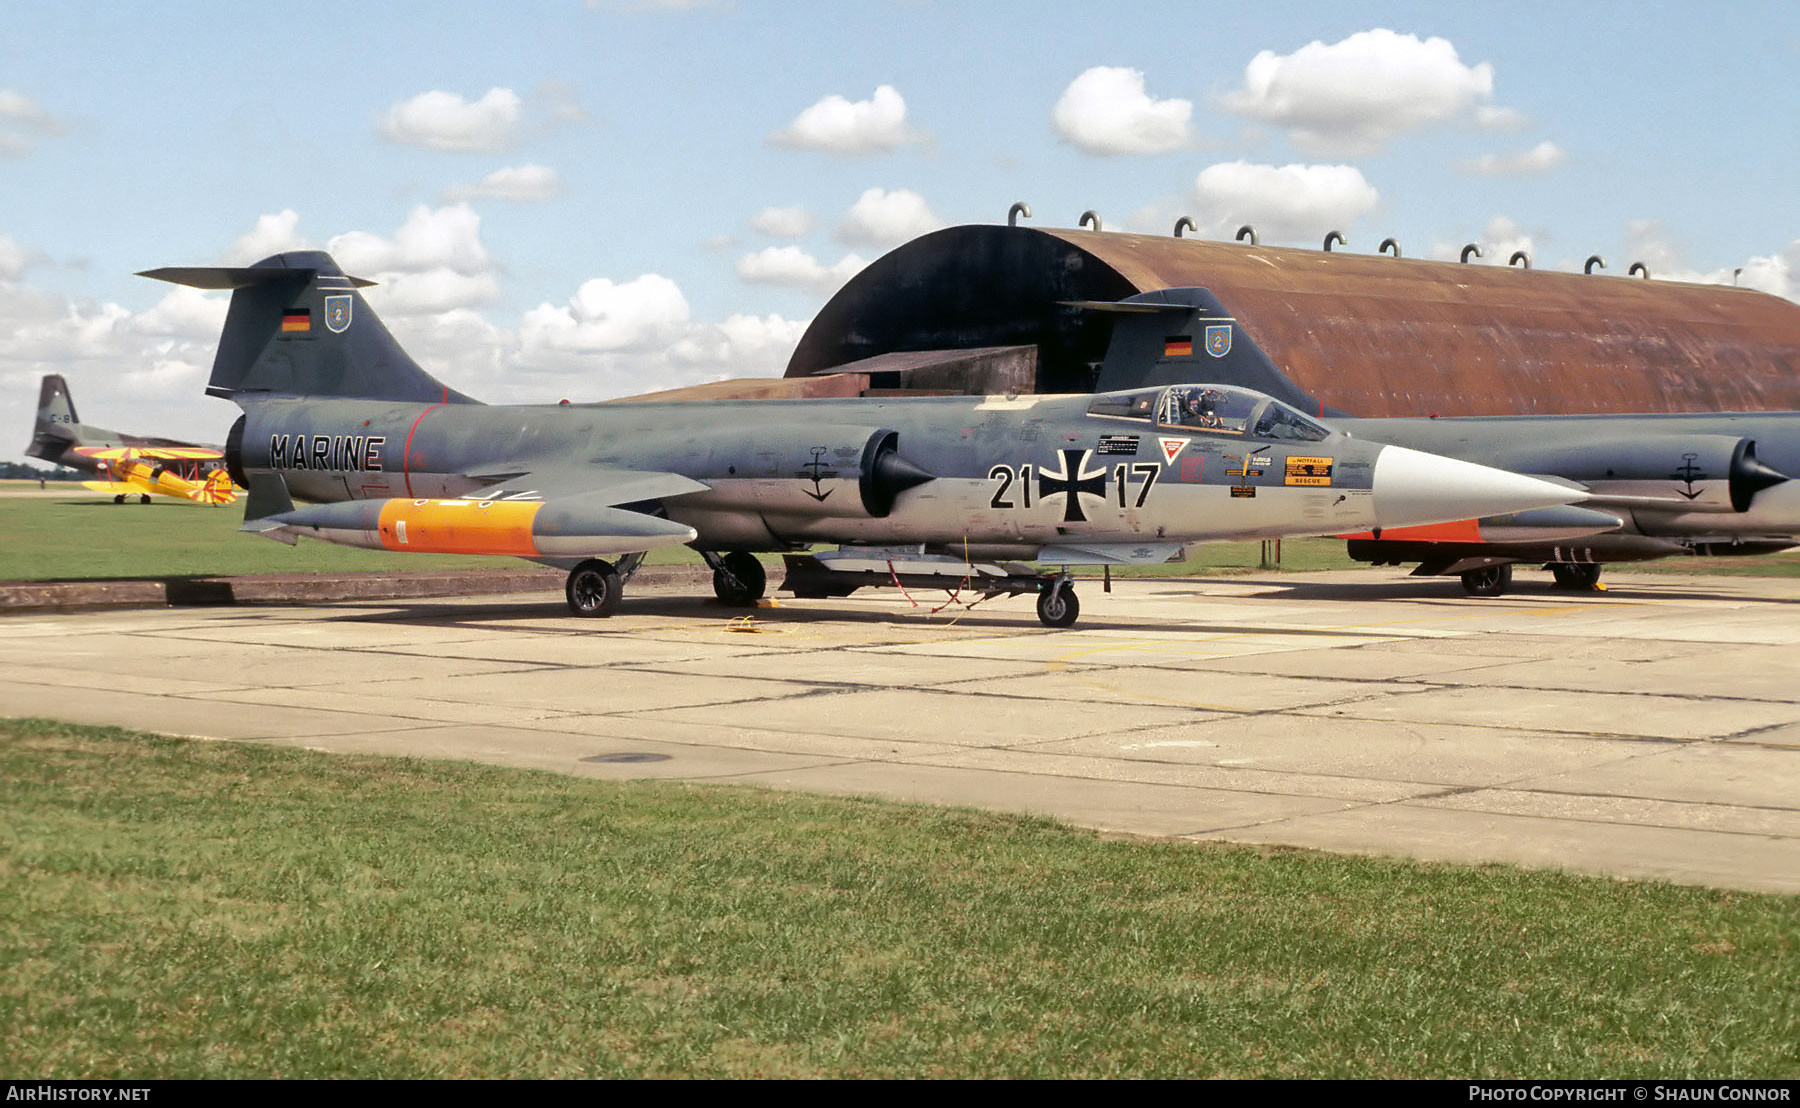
(594, 589)
(1489, 580)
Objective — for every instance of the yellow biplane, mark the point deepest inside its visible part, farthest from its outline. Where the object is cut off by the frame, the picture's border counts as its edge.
(178, 471)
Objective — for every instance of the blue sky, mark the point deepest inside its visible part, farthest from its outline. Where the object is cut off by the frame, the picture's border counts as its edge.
(588, 199)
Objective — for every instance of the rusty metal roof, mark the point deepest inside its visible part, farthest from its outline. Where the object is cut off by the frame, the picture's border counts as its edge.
(1370, 334)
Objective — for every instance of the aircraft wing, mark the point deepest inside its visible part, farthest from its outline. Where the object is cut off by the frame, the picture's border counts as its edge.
(604, 486)
(154, 453)
(114, 487)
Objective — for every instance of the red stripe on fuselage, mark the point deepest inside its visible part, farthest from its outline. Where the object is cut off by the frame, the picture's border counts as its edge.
(406, 453)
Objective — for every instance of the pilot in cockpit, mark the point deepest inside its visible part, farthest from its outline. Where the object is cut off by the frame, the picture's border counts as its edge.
(1201, 409)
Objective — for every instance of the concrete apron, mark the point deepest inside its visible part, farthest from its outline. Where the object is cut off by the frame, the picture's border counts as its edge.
(1648, 731)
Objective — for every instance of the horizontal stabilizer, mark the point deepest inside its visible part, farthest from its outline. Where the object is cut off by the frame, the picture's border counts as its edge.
(1126, 307)
(230, 277)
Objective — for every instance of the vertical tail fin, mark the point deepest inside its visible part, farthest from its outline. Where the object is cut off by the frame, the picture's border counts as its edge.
(298, 325)
(1184, 335)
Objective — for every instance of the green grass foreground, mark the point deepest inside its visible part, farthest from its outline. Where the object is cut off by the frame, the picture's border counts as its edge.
(184, 909)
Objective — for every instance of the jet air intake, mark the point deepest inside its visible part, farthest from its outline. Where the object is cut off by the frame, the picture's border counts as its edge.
(1694, 473)
(823, 471)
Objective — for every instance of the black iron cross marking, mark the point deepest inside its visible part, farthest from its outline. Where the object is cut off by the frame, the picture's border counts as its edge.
(1071, 480)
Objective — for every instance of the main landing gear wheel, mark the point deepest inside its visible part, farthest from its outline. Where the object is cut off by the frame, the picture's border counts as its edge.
(1575, 575)
(1058, 607)
(1491, 581)
(594, 589)
(739, 579)
(119, 499)
(143, 498)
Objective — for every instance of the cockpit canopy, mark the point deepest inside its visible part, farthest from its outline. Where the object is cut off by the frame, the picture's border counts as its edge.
(1211, 409)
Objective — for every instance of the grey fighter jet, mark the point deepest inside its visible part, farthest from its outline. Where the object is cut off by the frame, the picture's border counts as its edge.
(1706, 484)
(957, 492)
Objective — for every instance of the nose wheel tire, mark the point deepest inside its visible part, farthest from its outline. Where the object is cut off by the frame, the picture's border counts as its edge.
(739, 579)
(1488, 581)
(594, 589)
(1058, 607)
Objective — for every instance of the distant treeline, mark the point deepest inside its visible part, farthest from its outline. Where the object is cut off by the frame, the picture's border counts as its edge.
(19, 471)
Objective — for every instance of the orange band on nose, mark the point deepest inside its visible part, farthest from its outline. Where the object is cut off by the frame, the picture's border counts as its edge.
(459, 526)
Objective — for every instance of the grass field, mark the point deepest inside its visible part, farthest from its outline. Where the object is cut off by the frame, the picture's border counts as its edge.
(182, 909)
(83, 535)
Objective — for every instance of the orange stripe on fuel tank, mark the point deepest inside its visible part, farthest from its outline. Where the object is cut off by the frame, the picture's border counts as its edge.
(459, 526)
(1463, 530)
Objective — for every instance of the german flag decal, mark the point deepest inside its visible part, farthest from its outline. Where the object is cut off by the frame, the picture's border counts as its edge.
(1178, 346)
(296, 319)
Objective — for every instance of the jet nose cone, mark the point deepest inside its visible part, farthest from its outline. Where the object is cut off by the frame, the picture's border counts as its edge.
(1412, 487)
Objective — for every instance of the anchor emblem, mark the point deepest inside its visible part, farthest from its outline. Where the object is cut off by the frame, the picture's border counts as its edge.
(817, 471)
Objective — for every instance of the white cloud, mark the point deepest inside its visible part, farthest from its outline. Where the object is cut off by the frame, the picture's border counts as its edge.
(431, 292)
(1541, 158)
(1771, 273)
(1283, 202)
(794, 267)
(1351, 97)
(184, 312)
(1106, 111)
(839, 126)
(272, 234)
(21, 118)
(519, 183)
(445, 121)
(431, 238)
(622, 339)
(560, 103)
(742, 346)
(1774, 273)
(1490, 118)
(1644, 242)
(603, 317)
(882, 219)
(1502, 238)
(782, 223)
(14, 258)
